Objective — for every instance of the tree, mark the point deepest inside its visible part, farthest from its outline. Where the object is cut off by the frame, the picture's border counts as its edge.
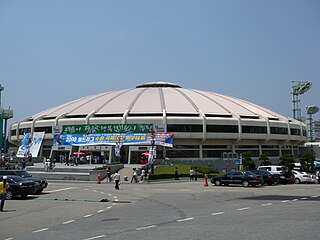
(287, 160)
(264, 158)
(247, 161)
(307, 161)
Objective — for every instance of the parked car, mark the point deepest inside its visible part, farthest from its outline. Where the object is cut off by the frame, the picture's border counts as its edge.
(301, 177)
(245, 178)
(268, 177)
(19, 186)
(40, 183)
(285, 174)
(314, 178)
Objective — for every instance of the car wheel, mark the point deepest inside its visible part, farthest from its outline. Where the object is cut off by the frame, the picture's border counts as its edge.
(39, 190)
(24, 196)
(297, 181)
(217, 182)
(245, 183)
(9, 195)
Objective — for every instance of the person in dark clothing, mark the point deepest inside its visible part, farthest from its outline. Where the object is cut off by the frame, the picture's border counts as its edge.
(176, 174)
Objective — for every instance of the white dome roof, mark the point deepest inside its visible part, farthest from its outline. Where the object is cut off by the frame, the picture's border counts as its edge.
(158, 98)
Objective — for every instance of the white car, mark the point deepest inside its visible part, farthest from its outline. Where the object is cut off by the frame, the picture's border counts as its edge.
(301, 177)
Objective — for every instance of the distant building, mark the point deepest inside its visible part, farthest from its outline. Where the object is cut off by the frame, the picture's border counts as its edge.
(316, 127)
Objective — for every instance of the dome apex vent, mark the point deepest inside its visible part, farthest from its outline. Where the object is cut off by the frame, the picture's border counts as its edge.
(158, 84)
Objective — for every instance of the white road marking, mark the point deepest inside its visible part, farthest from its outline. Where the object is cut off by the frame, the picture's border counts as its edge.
(109, 207)
(101, 236)
(8, 239)
(266, 204)
(94, 191)
(294, 200)
(86, 216)
(147, 227)
(185, 219)
(284, 201)
(109, 194)
(116, 200)
(102, 192)
(304, 198)
(67, 222)
(61, 189)
(100, 211)
(40, 230)
(113, 204)
(314, 196)
(217, 213)
(241, 209)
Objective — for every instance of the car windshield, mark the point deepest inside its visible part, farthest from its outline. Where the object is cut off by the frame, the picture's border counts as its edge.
(15, 179)
(24, 174)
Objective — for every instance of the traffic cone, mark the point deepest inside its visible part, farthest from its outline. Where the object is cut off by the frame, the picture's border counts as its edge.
(205, 180)
(99, 179)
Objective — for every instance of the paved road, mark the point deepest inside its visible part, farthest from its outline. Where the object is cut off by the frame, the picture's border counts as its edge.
(165, 210)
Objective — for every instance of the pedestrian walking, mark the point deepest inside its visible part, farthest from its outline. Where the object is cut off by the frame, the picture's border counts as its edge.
(109, 178)
(176, 174)
(4, 185)
(134, 176)
(191, 174)
(116, 178)
(24, 165)
(195, 173)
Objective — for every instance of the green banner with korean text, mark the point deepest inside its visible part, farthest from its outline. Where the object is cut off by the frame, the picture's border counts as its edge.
(107, 128)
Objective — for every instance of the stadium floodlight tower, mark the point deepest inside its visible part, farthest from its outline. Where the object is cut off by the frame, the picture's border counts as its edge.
(311, 110)
(5, 114)
(298, 88)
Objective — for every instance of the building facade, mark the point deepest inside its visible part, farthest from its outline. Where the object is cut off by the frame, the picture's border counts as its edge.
(208, 127)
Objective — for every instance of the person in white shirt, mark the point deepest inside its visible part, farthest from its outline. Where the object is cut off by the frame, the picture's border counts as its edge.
(116, 178)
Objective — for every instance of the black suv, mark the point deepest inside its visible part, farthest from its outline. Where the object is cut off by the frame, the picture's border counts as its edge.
(40, 183)
(245, 178)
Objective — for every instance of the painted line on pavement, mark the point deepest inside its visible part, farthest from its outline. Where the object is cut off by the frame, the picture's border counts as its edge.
(284, 201)
(217, 213)
(294, 200)
(109, 207)
(147, 227)
(40, 230)
(245, 208)
(304, 198)
(266, 204)
(101, 236)
(8, 239)
(314, 196)
(185, 219)
(86, 216)
(61, 189)
(100, 211)
(70, 221)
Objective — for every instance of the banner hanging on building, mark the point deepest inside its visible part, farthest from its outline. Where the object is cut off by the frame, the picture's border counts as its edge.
(106, 128)
(30, 145)
(163, 139)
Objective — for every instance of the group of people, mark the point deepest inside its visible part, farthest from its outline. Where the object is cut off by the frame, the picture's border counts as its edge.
(144, 176)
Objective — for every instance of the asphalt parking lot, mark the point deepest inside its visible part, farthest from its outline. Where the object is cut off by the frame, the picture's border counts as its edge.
(163, 210)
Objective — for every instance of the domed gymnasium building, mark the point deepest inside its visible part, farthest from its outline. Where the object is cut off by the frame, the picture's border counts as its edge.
(209, 128)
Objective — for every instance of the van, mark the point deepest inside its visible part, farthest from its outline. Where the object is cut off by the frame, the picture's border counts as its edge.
(285, 173)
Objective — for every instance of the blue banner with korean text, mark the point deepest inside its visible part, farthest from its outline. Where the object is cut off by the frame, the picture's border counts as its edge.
(163, 139)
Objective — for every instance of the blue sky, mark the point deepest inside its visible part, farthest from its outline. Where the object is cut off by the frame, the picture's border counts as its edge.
(56, 51)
